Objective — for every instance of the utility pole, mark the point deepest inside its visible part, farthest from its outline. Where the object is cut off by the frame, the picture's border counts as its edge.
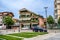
(46, 14)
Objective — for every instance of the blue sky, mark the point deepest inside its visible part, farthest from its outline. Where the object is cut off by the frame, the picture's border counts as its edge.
(36, 6)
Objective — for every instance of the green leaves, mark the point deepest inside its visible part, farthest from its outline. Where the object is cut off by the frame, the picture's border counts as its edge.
(50, 20)
(8, 20)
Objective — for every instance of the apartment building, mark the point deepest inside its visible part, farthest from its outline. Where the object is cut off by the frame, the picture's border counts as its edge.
(56, 9)
(29, 19)
(2, 15)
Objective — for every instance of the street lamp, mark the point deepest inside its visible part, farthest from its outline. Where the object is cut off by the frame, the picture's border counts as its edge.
(46, 14)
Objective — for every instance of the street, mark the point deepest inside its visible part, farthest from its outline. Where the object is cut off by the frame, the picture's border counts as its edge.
(56, 37)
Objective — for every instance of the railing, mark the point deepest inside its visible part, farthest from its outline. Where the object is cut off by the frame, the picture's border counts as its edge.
(25, 19)
(34, 20)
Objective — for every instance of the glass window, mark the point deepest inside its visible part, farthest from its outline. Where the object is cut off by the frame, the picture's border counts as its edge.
(36, 19)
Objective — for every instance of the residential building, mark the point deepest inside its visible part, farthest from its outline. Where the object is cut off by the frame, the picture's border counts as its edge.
(29, 19)
(16, 24)
(56, 9)
(42, 22)
(2, 15)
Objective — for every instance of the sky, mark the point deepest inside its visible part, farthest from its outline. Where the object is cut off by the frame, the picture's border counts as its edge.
(36, 6)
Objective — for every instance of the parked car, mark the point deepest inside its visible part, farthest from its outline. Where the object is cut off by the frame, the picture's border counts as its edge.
(36, 29)
(45, 30)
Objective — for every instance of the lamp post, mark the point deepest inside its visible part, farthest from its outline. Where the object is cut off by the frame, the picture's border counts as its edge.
(46, 14)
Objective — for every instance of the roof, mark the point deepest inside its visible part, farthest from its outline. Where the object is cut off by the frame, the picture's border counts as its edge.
(7, 13)
(16, 20)
(24, 9)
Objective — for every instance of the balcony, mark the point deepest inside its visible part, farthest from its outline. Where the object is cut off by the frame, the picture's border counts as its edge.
(34, 20)
(24, 16)
(24, 19)
(55, 8)
(58, 1)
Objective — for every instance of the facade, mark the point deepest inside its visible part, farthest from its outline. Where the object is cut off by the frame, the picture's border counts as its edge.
(29, 19)
(56, 9)
(42, 22)
(2, 15)
(16, 24)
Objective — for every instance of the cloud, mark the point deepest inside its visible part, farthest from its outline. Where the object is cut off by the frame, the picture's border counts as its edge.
(36, 6)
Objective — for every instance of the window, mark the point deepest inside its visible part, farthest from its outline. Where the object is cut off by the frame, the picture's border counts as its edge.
(28, 15)
(23, 15)
(55, 6)
(36, 18)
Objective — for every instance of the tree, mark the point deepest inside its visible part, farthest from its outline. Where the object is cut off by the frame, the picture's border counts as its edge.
(8, 21)
(50, 21)
(59, 21)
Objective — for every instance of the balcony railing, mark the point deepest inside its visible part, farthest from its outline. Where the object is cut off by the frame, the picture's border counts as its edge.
(25, 16)
(34, 20)
(25, 19)
(58, 1)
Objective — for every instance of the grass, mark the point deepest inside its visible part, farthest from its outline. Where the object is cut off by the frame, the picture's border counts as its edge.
(23, 34)
(28, 34)
(9, 38)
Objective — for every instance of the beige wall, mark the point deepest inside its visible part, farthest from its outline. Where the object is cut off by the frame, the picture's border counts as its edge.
(25, 13)
(58, 11)
(57, 7)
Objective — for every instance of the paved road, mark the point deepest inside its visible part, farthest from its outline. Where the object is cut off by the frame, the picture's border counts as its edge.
(10, 31)
(56, 37)
(41, 37)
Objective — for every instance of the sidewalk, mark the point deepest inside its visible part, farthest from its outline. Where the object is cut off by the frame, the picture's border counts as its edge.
(41, 37)
(11, 31)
